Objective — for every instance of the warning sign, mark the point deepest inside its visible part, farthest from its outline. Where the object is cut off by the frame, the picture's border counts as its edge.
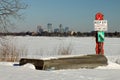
(100, 25)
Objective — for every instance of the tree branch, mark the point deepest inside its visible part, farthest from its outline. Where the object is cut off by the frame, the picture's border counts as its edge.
(9, 8)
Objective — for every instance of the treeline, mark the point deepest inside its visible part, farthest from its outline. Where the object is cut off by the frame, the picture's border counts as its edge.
(64, 34)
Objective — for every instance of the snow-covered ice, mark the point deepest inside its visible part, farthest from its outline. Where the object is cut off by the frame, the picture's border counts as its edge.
(45, 47)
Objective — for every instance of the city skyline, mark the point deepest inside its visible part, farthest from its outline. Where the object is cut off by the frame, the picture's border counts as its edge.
(78, 15)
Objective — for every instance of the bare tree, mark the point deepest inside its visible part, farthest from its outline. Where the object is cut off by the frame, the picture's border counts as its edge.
(9, 9)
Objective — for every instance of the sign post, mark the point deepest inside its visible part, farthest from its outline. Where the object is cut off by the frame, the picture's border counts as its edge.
(100, 25)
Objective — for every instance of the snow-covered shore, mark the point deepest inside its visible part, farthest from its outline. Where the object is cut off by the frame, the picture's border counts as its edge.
(45, 47)
(27, 72)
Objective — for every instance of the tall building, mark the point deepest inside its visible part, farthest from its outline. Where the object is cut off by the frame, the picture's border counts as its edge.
(49, 26)
(39, 29)
(61, 28)
(66, 29)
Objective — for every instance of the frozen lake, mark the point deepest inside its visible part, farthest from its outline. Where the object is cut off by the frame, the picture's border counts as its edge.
(50, 46)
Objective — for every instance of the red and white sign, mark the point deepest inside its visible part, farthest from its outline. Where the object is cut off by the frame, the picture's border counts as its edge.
(99, 16)
(100, 25)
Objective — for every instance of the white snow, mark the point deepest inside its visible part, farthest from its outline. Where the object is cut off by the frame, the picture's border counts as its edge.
(110, 65)
(47, 47)
(28, 65)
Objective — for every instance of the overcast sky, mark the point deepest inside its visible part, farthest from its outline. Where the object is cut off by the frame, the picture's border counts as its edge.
(76, 14)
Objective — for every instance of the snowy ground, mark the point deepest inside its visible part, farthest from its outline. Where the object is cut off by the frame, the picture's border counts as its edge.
(45, 47)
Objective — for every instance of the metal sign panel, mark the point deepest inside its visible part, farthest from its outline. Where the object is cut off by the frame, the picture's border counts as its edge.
(101, 36)
(100, 25)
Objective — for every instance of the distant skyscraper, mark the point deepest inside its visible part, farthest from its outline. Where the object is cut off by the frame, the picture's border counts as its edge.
(66, 29)
(39, 29)
(61, 27)
(49, 26)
